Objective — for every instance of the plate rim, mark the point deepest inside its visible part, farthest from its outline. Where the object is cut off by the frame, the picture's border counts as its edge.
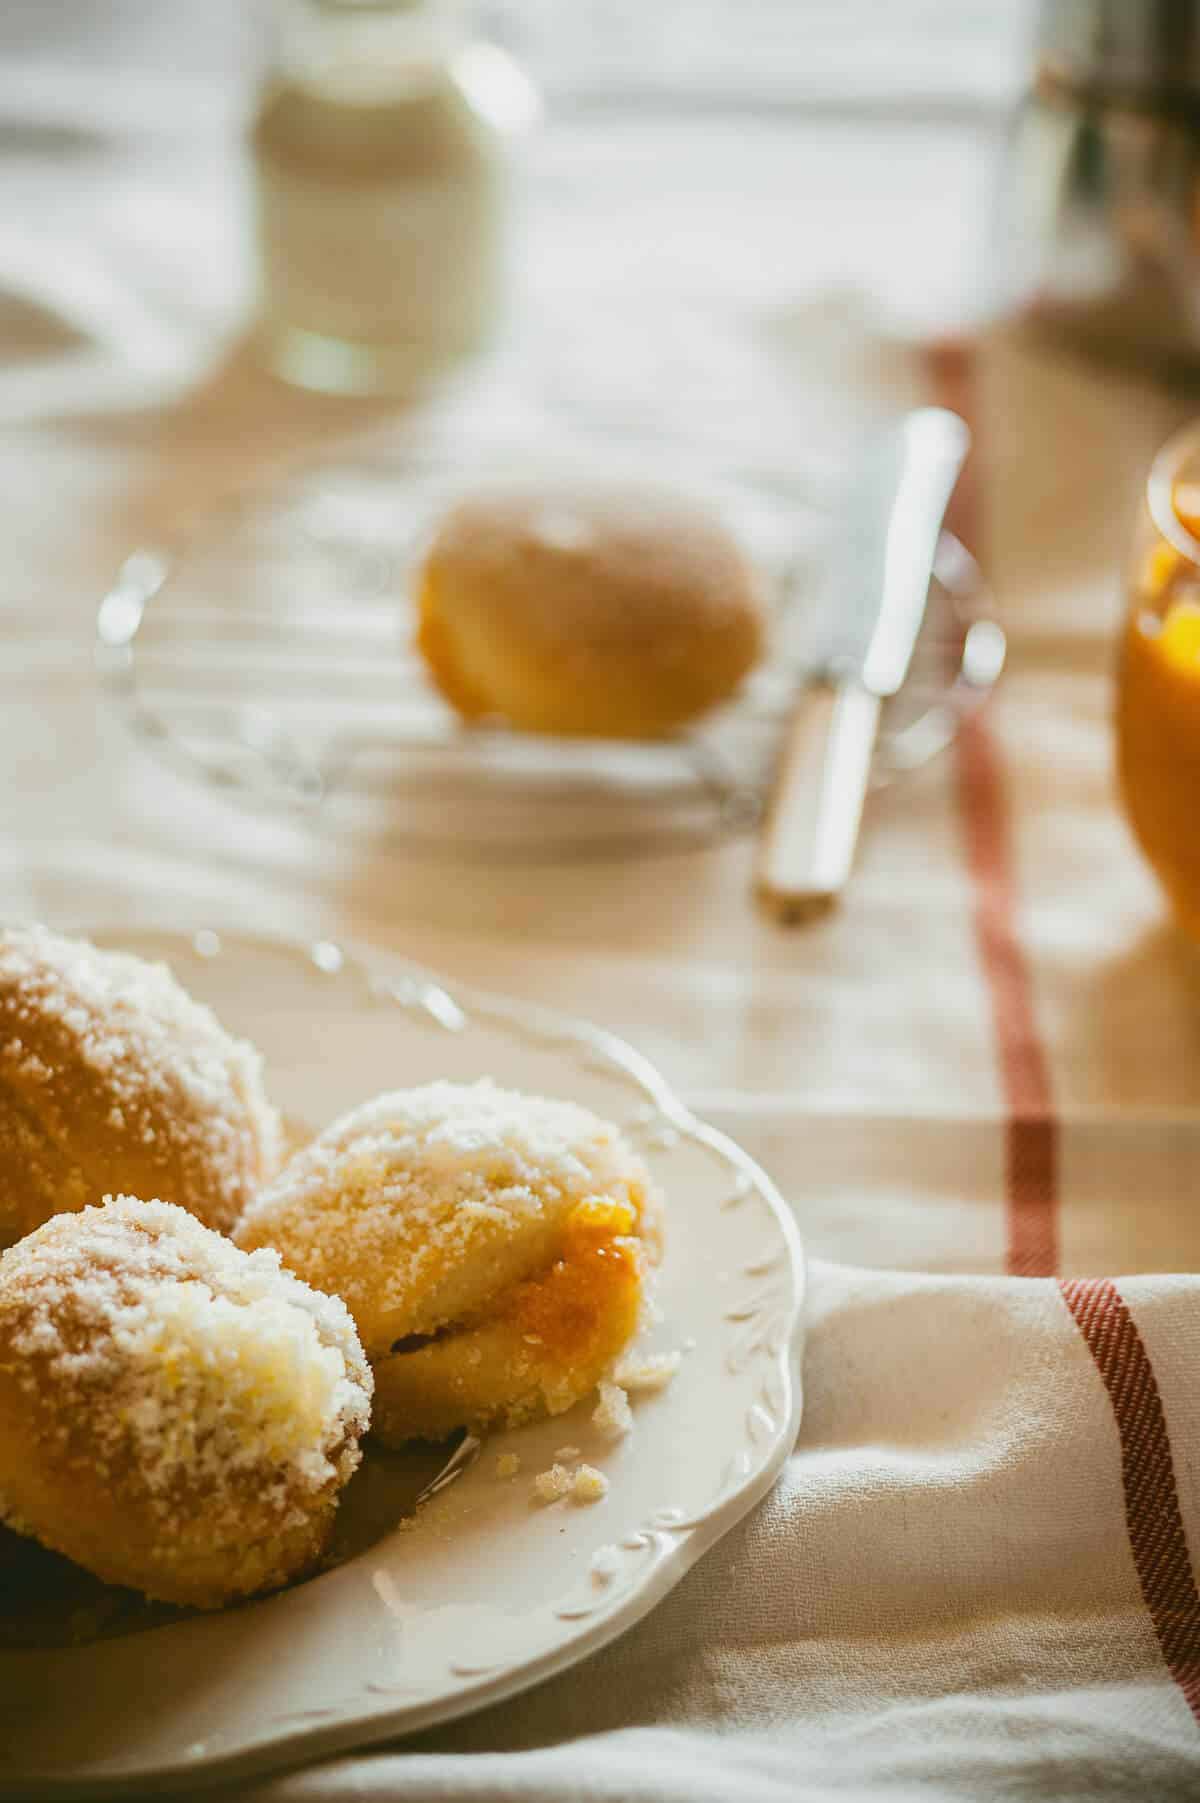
(412, 985)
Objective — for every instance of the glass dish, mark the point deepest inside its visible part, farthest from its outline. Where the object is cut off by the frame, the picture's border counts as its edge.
(268, 653)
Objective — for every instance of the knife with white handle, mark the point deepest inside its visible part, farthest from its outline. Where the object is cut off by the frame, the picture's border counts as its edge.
(877, 584)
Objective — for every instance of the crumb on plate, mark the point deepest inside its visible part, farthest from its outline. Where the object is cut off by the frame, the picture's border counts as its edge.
(551, 1486)
(612, 1414)
(588, 1485)
(583, 1485)
(649, 1373)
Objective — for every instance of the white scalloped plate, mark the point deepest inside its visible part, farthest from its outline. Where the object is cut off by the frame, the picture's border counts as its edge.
(483, 1592)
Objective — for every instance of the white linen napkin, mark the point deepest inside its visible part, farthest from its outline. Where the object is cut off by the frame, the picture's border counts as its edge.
(972, 1581)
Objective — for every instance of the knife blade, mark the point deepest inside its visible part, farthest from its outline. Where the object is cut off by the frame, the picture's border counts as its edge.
(865, 629)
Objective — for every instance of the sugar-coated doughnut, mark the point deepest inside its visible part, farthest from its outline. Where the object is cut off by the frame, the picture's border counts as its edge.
(493, 1248)
(176, 1415)
(112, 1078)
(609, 612)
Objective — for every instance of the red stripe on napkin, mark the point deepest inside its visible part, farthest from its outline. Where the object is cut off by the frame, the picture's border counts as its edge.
(1031, 1130)
(1152, 1517)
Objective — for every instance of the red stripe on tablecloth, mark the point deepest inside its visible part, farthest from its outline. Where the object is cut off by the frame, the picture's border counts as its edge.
(1031, 1129)
(1152, 1517)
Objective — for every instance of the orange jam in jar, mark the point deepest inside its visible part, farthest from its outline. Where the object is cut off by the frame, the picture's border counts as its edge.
(1158, 683)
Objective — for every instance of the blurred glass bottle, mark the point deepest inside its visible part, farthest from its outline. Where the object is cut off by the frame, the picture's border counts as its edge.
(380, 161)
(1099, 229)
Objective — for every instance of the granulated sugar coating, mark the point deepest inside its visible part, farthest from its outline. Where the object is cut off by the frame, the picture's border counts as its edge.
(491, 1246)
(175, 1414)
(421, 1206)
(113, 1078)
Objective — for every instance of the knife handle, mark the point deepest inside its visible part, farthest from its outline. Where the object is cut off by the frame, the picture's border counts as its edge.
(811, 828)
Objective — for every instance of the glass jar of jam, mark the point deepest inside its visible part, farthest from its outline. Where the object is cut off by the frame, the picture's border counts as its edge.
(1158, 680)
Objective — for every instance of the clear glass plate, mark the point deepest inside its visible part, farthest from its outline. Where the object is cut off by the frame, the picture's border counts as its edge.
(268, 653)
